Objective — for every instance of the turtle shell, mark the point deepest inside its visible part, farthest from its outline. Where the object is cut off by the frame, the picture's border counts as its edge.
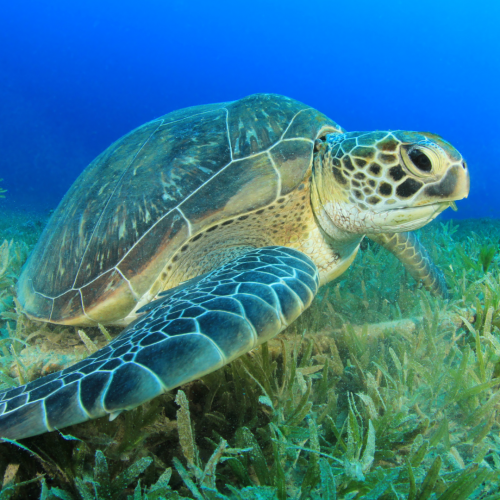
(146, 195)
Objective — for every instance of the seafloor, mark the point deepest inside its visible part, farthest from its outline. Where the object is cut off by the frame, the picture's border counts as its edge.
(379, 391)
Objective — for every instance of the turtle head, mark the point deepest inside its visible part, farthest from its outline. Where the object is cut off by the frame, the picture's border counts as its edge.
(373, 182)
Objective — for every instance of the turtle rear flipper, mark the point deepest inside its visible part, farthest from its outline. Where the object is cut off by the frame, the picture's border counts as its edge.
(183, 336)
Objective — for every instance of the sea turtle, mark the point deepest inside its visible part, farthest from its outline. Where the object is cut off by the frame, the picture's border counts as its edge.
(208, 231)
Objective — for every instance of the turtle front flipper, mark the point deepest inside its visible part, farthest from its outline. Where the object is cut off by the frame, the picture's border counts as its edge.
(182, 336)
(417, 261)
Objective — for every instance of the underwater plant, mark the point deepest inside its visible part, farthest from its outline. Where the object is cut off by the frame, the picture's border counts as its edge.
(378, 392)
(486, 255)
(2, 191)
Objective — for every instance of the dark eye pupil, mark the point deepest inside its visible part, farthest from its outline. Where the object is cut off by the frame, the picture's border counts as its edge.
(420, 160)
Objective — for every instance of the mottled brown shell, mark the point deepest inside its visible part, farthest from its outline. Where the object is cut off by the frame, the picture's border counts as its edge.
(141, 199)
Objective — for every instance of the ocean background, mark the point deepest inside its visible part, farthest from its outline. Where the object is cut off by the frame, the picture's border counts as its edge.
(378, 390)
(75, 76)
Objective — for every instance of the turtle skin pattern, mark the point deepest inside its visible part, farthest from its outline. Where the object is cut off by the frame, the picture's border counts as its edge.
(190, 331)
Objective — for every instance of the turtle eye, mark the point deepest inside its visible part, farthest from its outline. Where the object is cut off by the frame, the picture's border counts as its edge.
(420, 160)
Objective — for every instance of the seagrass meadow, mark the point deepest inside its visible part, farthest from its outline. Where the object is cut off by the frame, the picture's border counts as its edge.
(379, 391)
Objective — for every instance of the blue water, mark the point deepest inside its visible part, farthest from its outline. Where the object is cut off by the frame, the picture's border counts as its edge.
(75, 76)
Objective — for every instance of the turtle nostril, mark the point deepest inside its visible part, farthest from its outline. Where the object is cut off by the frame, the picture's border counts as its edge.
(464, 165)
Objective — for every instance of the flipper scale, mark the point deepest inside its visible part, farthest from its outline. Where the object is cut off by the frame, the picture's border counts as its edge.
(235, 308)
(417, 261)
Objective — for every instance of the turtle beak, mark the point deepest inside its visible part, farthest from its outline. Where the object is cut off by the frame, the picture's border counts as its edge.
(454, 185)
